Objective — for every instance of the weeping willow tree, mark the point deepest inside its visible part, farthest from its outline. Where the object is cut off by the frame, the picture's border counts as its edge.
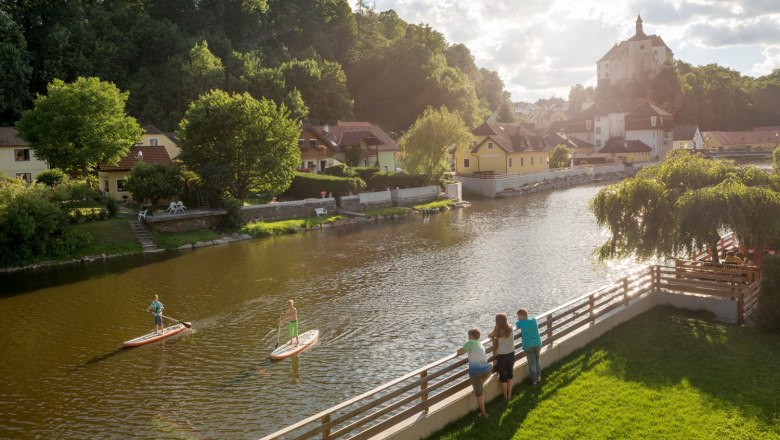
(683, 204)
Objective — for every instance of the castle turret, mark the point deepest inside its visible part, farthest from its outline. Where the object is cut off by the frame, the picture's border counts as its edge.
(639, 30)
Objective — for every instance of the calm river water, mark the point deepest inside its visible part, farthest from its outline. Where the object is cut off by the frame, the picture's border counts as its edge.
(386, 297)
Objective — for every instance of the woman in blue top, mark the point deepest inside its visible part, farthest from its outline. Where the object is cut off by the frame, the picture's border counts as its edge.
(532, 344)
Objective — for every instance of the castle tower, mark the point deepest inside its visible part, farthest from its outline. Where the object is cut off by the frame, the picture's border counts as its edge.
(639, 30)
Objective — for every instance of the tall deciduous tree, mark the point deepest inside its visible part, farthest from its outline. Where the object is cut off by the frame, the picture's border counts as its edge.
(560, 156)
(430, 140)
(15, 70)
(683, 203)
(252, 145)
(154, 181)
(78, 125)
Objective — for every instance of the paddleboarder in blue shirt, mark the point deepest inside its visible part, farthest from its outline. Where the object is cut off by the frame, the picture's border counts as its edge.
(156, 309)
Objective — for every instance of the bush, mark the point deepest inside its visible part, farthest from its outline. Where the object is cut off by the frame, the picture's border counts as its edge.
(111, 207)
(52, 177)
(767, 315)
(387, 179)
(31, 225)
(340, 170)
(81, 215)
(233, 219)
(76, 193)
(306, 185)
(365, 173)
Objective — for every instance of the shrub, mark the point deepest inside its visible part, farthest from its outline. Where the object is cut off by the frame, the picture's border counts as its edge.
(81, 215)
(307, 185)
(52, 177)
(767, 315)
(365, 173)
(233, 219)
(111, 207)
(30, 223)
(154, 182)
(340, 170)
(76, 193)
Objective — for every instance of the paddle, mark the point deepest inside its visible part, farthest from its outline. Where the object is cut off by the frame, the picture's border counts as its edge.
(186, 324)
(278, 330)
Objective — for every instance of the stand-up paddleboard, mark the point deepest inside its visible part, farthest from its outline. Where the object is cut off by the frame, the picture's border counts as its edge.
(154, 336)
(305, 341)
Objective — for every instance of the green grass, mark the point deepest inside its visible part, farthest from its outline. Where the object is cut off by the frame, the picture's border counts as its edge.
(375, 212)
(251, 201)
(264, 229)
(111, 236)
(172, 240)
(437, 204)
(667, 374)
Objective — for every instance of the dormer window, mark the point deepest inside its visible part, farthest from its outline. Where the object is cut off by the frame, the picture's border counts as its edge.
(490, 145)
(312, 143)
(154, 142)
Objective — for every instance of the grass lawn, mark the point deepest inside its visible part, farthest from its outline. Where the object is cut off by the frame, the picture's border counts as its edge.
(172, 240)
(436, 204)
(667, 374)
(111, 236)
(281, 227)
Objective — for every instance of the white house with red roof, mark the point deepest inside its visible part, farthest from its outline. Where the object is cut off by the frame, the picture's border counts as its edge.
(353, 143)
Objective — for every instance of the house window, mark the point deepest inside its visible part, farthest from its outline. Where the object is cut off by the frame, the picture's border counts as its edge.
(120, 185)
(653, 120)
(510, 162)
(300, 143)
(598, 118)
(312, 143)
(27, 177)
(310, 165)
(386, 168)
(154, 142)
(490, 145)
(522, 161)
(588, 124)
(598, 130)
(532, 161)
(466, 163)
(105, 185)
(598, 143)
(365, 162)
(22, 154)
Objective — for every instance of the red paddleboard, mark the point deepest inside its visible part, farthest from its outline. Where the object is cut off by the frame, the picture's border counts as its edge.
(154, 336)
(305, 341)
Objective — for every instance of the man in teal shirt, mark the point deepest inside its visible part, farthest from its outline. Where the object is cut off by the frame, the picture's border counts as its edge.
(156, 309)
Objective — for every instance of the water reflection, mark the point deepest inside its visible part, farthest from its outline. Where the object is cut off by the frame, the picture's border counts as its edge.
(387, 298)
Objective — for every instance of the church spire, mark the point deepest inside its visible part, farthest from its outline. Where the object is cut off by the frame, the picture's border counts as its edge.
(639, 30)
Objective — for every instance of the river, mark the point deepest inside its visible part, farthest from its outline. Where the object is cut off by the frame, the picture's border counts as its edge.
(387, 298)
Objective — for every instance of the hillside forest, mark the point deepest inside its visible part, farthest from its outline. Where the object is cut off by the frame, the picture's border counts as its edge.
(326, 60)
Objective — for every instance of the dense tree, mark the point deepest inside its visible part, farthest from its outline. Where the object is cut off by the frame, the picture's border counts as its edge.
(75, 126)
(154, 181)
(249, 144)
(429, 142)
(15, 70)
(323, 87)
(506, 112)
(681, 204)
(560, 156)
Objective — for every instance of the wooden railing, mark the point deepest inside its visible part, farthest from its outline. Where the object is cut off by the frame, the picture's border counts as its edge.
(727, 242)
(383, 407)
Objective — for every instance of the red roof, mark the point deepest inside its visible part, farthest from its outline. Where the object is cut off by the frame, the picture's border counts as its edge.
(623, 146)
(9, 137)
(511, 137)
(343, 134)
(149, 154)
(746, 137)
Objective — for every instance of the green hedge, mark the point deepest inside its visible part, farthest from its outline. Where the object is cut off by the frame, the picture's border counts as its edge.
(307, 185)
(387, 179)
(81, 215)
(365, 173)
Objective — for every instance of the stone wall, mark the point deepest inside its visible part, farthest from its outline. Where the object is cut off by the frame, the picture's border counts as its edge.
(413, 196)
(190, 221)
(287, 210)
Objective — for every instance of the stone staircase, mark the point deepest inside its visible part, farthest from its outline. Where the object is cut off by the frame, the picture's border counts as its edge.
(143, 236)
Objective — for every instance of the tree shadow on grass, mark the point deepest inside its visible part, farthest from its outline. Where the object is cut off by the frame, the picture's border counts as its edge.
(665, 347)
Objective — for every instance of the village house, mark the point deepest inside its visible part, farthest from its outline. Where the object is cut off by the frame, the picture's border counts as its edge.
(502, 148)
(112, 178)
(624, 120)
(639, 58)
(578, 147)
(17, 159)
(628, 152)
(763, 139)
(687, 137)
(153, 137)
(352, 143)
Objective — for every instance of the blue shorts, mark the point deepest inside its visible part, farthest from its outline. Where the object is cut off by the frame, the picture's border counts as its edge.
(158, 320)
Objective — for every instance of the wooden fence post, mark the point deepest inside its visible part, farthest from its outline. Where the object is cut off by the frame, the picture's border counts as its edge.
(625, 290)
(424, 387)
(591, 303)
(550, 327)
(325, 431)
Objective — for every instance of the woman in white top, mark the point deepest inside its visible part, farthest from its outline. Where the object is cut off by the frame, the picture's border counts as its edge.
(504, 337)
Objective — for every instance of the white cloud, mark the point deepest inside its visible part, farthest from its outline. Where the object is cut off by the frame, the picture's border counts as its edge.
(543, 47)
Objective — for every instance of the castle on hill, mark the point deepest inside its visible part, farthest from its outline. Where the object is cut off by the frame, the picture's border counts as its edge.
(639, 58)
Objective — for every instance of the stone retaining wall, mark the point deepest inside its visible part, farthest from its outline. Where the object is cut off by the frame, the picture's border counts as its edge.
(287, 210)
(191, 221)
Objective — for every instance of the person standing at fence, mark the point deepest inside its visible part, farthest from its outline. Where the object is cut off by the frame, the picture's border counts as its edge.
(532, 344)
(479, 369)
(504, 340)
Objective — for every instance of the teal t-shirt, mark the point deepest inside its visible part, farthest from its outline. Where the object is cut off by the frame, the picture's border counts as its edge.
(156, 307)
(530, 333)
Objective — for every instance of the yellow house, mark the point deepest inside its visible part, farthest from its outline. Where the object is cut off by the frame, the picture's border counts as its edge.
(354, 143)
(631, 151)
(154, 137)
(17, 158)
(113, 177)
(501, 148)
(741, 141)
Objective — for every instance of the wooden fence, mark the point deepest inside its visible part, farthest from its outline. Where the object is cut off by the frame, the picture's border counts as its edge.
(377, 410)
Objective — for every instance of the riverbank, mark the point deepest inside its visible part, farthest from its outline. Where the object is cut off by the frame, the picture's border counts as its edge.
(626, 385)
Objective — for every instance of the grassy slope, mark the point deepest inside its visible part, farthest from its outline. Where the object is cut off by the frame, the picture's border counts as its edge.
(112, 236)
(172, 240)
(666, 374)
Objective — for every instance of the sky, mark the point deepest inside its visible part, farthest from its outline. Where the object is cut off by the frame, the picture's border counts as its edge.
(541, 48)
